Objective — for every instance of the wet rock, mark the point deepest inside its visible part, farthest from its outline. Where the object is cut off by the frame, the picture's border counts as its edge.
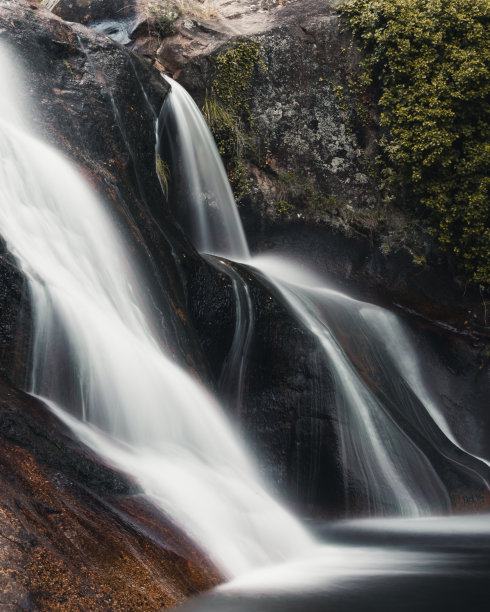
(15, 322)
(98, 102)
(283, 401)
(360, 267)
(74, 533)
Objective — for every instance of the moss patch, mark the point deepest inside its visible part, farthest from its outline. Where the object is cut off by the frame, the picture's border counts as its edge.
(431, 61)
(227, 110)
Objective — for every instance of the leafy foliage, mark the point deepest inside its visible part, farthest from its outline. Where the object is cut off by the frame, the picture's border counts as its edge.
(163, 16)
(431, 60)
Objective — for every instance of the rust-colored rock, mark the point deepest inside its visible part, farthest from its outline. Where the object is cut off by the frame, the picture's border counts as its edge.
(76, 535)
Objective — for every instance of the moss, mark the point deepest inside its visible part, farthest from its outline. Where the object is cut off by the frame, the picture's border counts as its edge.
(239, 181)
(430, 60)
(233, 79)
(300, 193)
(163, 173)
(282, 207)
(227, 110)
(68, 67)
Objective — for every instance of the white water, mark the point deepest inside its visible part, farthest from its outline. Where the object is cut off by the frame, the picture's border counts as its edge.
(377, 456)
(99, 368)
(204, 204)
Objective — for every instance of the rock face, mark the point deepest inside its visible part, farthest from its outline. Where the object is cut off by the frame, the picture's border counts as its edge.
(92, 11)
(303, 99)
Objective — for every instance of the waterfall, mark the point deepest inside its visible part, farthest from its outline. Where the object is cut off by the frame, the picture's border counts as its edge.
(379, 458)
(97, 365)
(204, 203)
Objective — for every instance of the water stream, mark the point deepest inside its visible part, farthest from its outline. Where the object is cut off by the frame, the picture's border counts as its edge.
(98, 366)
(96, 363)
(379, 458)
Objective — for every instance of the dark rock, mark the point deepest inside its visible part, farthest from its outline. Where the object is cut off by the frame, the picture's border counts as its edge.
(358, 266)
(91, 11)
(285, 406)
(15, 322)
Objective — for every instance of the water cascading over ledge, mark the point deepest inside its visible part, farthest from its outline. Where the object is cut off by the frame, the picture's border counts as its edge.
(397, 452)
(330, 556)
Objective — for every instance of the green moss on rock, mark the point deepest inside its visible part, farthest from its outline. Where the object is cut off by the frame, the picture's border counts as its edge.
(431, 59)
(227, 109)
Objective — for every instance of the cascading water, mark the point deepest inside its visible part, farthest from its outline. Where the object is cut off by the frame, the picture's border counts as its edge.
(97, 365)
(206, 208)
(379, 458)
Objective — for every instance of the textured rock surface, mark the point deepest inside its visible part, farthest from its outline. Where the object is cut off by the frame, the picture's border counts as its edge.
(89, 11)
(15, 321)
(74, 534)
(301, 101)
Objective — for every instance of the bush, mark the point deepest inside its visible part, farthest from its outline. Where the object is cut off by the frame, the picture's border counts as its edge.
(430, 59)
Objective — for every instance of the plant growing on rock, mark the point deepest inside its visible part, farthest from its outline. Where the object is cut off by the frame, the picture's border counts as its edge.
(227, 109)
(430, 60)
(163, 173)
(162, 17)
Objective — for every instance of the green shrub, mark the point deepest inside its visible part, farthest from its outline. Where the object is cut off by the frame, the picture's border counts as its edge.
(163, 16)
(430, 60)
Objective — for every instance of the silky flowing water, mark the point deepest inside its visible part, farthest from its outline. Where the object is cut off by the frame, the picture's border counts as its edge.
(378, 457)
(98, 366)
(96, 363)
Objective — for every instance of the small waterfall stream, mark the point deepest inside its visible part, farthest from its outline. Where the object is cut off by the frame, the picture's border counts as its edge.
(378, 457)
